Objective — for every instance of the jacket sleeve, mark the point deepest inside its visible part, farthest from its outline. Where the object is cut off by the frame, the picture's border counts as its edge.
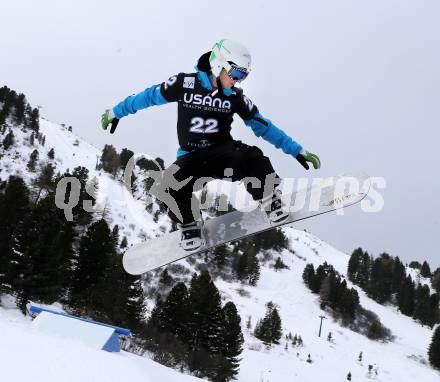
(149, 97)
(264, 128)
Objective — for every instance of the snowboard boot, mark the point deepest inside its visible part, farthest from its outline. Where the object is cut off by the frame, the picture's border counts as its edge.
(273, 206)
(192, 236)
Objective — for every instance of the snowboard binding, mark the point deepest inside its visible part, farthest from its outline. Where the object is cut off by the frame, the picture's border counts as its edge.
(192, 236)
(274, 208)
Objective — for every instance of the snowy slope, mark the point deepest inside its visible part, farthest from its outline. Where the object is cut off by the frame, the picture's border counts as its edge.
(124, 210)
(401, 360)
(72, 151)
(404, 359)
(29, 354)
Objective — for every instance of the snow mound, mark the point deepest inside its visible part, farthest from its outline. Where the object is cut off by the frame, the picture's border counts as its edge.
(31, 354)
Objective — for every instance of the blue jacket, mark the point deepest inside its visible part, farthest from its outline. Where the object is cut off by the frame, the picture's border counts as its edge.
(261, 126)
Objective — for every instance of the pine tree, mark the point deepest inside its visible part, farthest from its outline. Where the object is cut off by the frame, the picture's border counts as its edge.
(422, 308)
(147, 165)
(322, 272)
(125, 156)
(249, 323)
(42, 253)
(14, 205)
(44, 181)
(3, 93)
(205, 324)
(165, 278)
(380, 284)
(434, 349)
(160, 162)
(363, 275)
(155, 320)
(279, 264)
(276, 329)
(27, 116)
(248, 266)
(327, 287)
(95, 249)
(253, 266)
(351, 303)
(134, 307)
(271, 239)
(232, 344)
(269, 329)
(115, 235)
(309, 276)
(435, 281)
(349, 376)
(35, 120)
(425, 270)
(9, 98)
(434, 310)
(19, 110)
(295, 340)
(121, 296)
(166, 332)
(240, 268)
(9, 140)
(81, 217)
(405, 296)
(329, 337)
(353, 265)
(32, 160)
(175, 312)
(110, 160)
(152, 332)
(261, 331)
(415, 265)
(51, 153)
(2, 122)
(220, 255)
(399, 275)
(124, 242)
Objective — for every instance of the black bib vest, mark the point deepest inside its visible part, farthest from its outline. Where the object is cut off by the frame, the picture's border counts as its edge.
(204, 116)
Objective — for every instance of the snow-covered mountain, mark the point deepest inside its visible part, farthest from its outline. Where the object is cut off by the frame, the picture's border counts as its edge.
(403, 359)
(72, 151)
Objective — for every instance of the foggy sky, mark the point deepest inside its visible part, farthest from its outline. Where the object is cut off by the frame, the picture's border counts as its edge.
(356, 82)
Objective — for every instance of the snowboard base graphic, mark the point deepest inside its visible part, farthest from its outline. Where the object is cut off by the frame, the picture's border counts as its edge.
(333, 193)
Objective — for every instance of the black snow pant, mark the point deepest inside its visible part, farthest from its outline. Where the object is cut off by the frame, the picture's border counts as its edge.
(232, 160)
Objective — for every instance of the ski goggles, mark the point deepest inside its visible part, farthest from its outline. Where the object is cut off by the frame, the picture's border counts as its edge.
(236, 73)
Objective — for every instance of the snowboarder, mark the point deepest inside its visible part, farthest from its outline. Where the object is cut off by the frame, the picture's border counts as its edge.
(207, 100)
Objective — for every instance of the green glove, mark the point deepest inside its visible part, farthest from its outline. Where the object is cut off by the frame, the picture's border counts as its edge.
(304, 156)
(108, 118)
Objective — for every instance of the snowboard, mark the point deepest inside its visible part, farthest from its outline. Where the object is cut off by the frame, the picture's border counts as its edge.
(331, 194)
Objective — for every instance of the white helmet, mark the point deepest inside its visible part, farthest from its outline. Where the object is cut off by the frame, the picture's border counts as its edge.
(233, 57)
